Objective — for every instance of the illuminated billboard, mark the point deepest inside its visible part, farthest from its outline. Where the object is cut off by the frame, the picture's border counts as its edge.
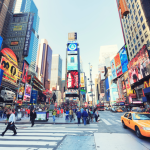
(25, 72)
(21, 91)
(124, 59)
(139, 66)
(82, 80)
(72, 80)
(27, 93)
(14, 43)
(118, 65)
(72, 62)
(113, 69)
(72, 48)
(1, 40)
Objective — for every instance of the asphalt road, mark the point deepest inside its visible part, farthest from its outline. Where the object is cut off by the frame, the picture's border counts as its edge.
(107, 134)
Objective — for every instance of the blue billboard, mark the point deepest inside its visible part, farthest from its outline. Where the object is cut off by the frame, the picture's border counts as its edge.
(1, 75)
(72, 48)
(107, 89)
(113, 69)
(123, 59)
(72, 62)
(1, 40)
(34, 95)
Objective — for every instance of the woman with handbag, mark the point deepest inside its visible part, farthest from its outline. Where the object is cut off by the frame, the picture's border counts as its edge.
(11, 123)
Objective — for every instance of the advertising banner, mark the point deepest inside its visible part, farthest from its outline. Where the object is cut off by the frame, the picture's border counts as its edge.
(27, 93)
(71, 91)
(101, 69)
(102, 86)
(34, 95)
(72, 62)
(24, 72)
(28, 35)
(118, 65)
(72, 36)
(124, 59)
(72, 48)
(72, 80)
(113, 69)
(139, 66)
(10, 71)
(1, 41)
(1, 75)
(21, 92)
(127, 83)
(82, 82)
(17, 28)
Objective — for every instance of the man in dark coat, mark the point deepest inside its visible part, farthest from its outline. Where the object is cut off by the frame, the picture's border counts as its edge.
(32, 117)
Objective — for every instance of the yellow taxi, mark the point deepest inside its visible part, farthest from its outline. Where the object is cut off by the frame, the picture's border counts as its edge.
(119, 110)
(137, 121)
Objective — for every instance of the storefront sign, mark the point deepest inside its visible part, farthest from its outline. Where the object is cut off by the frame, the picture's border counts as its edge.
(118, 65)
(28, 35)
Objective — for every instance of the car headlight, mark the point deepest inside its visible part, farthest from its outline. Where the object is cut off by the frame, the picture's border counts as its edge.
(145, 128)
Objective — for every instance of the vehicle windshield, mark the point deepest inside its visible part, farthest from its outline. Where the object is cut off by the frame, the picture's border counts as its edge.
(141, 117)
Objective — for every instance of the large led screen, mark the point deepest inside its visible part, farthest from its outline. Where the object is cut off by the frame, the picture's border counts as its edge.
(113, 69)
(72, 48)
(82, 80)
(72, 80)
(124, 59)
(27, 93)
(72, 62)
(139, 66)
(118, 65)
(25, 72)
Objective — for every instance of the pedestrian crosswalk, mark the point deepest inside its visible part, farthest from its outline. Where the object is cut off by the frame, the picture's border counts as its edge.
(110, 121)
(42, 137)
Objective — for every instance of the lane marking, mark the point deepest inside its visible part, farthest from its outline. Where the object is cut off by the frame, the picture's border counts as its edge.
(24, 148)
(106, 122)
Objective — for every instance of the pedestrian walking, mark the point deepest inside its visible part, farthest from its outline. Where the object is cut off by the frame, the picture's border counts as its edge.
(33, 117)
(91, 115)
(84, 115)
(67, 114)
(28, 112)
(61, 111)
(78, 116)
(54, 112)
(96, 116)
(58, 112)
(7, 115)
(11, 123)
(71, 114)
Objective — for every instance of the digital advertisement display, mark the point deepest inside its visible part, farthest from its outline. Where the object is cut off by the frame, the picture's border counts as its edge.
(72, 80)
(118, 65)
(139, 66)
(1, 75)
(14, 43)
(10, 71)
(82, 82)
(17, 28)
(124, 59)
(1, 41)
(27, 93)
(72, 62)
(113, 69)
(34, 95)
(72, 48)
(25, 72)
(41, 116)
(21, 91)
(127, 83)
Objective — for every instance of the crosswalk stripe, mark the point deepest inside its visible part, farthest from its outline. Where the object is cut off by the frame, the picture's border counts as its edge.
(112, 121)
(104, 120)
(28, 143)
(118, 120)
(24, 148)
(33, 134)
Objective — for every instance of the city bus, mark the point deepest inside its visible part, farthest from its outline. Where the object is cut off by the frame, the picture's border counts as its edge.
(100, 106)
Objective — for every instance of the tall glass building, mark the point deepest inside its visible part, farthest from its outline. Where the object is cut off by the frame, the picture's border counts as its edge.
(29, 6)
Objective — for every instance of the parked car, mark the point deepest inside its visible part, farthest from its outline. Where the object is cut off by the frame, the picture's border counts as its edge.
(137, 121)
(113, 109)
(6, 93)
(136, 109)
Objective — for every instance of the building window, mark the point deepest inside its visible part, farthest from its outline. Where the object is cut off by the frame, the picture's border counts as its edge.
(131, 54)
(127, 26)
(143, 26)
(132, 34)
(135, 47)
(132, 17)
(140, 32)
(128, 16)
(134, 41)
(135, 29)
(126, 21)
(139, 12)
(146, 34)
(137, 5)
(123, 20)
(131, 44)
(141, 19)
(130, 38)
(128, 42)
(131, 1)
(133, 5)
(129, 47)
(130, 11)
(134, 11)
(133, 23)
(142, 39)
(131, 28)
(138, 24)
(136, 18)
(126, 30)
(137, 37)
(139, 44)
(129, 32)
(135, 1)
(129, 6)
(129, 22)
(133, 51)
(127, 36)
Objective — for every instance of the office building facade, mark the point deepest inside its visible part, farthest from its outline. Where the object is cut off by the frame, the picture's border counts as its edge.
(56, 72)
(43, 63)
(135, 24)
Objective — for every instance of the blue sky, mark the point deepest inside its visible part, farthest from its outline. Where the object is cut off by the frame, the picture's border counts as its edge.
(95, 21)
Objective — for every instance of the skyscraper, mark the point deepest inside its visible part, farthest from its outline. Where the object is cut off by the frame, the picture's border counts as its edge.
(29, 6)
(135, 22)
(43, 63)
(56, 71)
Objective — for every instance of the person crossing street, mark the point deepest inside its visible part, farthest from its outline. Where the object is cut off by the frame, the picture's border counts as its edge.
(33, 117)
(84, 115)
(54, 112)
(11, 123)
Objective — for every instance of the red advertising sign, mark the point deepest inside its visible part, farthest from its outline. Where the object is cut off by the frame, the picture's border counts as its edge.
(72, 80)
(118, 65)
(25, 72)
(139, 66)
